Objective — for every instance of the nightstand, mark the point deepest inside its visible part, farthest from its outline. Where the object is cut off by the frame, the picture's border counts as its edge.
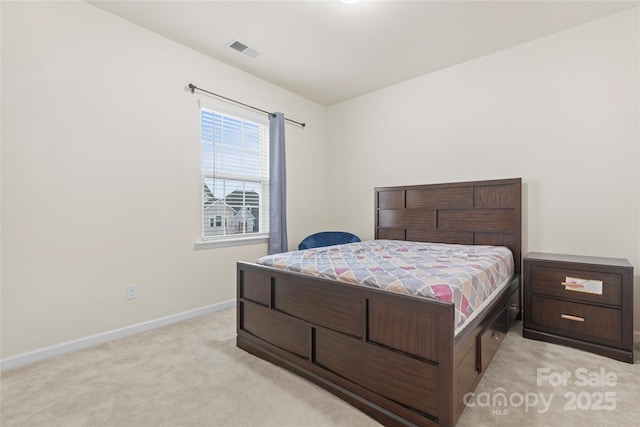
(581, 302)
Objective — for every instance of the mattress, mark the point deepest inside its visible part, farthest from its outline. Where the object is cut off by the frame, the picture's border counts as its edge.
(465, 275)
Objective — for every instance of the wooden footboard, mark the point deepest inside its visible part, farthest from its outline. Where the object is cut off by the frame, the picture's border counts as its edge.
(390, 355)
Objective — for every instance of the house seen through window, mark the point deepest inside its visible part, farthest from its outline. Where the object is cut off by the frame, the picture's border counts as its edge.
(235, 175)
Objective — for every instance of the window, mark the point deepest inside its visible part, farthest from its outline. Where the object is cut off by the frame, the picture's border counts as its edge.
(235, 174)
(215, 221)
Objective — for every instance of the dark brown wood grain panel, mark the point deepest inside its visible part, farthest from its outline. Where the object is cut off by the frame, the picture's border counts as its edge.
(406, 326)
(494, 196)
(391, 233)
(409, 381)
(407, 218)
(441, 236)
(477, 219)
(283, 331)
(432, 198)
(490, 340)
(494, 239)
(321, 304)
(255, 287)
(548, 281)
(465, 378)
(391, 199)
(598, 324)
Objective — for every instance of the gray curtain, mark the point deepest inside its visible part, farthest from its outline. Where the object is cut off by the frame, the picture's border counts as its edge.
(277, 186)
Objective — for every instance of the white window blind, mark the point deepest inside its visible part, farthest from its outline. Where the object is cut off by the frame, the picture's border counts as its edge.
(235, 175)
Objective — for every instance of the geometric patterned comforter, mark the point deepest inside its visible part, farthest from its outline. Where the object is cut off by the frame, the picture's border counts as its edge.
(463, 274)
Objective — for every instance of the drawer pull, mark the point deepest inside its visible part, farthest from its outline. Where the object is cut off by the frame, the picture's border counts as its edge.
(572, 285)
(513, 307)
(574, 318)
(588, 286)
(495, 336)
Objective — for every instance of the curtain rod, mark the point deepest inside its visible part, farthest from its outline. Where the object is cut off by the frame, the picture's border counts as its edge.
(194, 88)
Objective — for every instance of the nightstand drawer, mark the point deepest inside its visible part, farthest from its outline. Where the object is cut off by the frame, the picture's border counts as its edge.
(598, 324)
(548, 281)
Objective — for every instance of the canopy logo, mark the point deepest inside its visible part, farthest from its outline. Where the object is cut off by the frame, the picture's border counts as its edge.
(499, 400)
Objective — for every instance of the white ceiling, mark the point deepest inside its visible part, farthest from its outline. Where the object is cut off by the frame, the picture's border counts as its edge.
(329, 52)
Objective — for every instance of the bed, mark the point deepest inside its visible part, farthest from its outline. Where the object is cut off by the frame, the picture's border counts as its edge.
(402, 359)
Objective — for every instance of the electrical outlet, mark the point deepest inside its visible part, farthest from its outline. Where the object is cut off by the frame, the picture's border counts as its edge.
(132, 291)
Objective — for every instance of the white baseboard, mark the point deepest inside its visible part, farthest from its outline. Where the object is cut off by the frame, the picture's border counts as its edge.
(69, 346)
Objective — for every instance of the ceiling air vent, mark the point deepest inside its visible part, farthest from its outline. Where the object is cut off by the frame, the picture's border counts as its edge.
(243, 48)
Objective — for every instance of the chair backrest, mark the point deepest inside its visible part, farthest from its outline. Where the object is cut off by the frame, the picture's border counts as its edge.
(327, 238)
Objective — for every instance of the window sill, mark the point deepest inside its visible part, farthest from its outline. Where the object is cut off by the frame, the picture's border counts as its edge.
(232, 241)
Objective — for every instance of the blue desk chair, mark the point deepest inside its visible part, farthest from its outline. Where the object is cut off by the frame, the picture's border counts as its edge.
(327, 238)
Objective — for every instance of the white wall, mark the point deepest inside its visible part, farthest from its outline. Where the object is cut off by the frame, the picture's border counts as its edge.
(562, 112)
(100, 174)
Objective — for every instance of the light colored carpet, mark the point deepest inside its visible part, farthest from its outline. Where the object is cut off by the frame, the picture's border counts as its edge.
(191, 374)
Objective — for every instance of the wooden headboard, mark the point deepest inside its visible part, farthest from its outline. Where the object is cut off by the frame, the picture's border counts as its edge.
(469, 213)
